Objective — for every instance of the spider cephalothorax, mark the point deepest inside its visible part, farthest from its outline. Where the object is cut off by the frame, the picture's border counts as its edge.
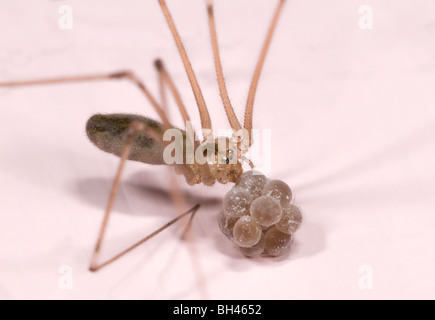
(219, 162)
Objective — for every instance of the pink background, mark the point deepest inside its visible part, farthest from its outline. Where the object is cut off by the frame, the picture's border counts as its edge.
(353, 124)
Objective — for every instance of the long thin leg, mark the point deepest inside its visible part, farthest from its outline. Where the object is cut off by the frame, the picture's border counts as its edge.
(256, 77)
(134, 128)
(234, 122)
(163, 100)
(202, 107)
(165, 78)
(192, 211)
(106, 76)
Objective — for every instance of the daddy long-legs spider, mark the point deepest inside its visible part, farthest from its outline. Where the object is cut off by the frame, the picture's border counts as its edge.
(201, 174)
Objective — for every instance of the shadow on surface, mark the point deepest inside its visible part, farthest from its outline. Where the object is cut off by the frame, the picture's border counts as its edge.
(142, 190)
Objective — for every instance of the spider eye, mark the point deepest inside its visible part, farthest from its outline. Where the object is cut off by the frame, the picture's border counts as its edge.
(225, 160)
(231, 154)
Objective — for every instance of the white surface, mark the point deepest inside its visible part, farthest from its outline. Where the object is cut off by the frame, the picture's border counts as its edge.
(353, 124)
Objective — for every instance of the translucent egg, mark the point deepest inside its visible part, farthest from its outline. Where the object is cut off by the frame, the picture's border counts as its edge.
(279, 190)
(246, 232)
(226, 224)
(237, 202)
(276, 242)
(266, 210)
(253, 181)
(291, 219)
(256, 250)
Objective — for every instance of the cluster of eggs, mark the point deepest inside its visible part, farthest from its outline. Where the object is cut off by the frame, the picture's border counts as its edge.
(258, 217)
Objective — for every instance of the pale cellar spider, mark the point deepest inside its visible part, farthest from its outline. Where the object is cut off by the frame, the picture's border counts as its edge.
(257, 214)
